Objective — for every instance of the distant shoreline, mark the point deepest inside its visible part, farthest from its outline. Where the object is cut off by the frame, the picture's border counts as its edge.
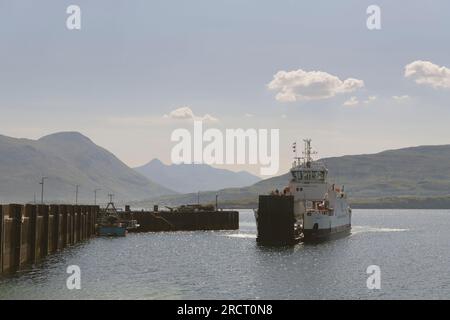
(400, 202)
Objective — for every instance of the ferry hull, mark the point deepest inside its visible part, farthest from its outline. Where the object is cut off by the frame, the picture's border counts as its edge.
(276, 226)
(313, 236)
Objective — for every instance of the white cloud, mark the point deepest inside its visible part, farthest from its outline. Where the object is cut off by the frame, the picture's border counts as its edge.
(428, 73)
(186, 113)
(207, 117)
(400, 98)
(182, 113)
(249, 115)
(353, 101)
(300, 85)
(370, 99)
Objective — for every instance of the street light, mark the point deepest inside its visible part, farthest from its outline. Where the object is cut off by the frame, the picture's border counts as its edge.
(42, 189)
(95, 196)
(76, 194)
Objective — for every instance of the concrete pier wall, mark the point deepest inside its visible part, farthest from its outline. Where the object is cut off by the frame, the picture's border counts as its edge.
(28, 233)
(184, 221)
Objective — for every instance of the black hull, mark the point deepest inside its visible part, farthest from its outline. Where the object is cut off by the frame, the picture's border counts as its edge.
(313, 236)
(278, 243)
(275, 221)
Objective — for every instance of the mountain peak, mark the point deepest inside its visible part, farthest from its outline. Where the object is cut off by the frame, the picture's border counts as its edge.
(187, 178)
(68, 159)
(156, 161)
(66, 136)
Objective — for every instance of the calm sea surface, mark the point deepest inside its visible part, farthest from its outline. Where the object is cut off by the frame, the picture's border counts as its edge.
(412, 248)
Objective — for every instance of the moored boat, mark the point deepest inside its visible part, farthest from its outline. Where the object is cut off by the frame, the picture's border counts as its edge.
(110, 224)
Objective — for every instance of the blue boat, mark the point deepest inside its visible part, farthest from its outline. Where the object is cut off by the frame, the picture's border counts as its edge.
(112, 231)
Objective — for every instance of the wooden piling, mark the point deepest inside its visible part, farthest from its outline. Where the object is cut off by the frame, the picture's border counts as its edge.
(55, 227)
(29, 232)
(70, 215)
(15, 212)
(2, 241)
(31, 212)
(44, 214)
(63, 237)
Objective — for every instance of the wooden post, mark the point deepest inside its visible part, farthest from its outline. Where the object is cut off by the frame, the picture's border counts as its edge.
(69, 225)
(95, 213)
(83, 223)
(88, 221)
(63, 211)
(32, 213)
(2, 238)
(43, 211)
(56, 228)
(77, 223)
(80, 223)
(85, 215)
(16, 214)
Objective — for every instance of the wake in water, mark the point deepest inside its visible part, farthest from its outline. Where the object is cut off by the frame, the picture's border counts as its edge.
(355, 230)
(363, 229)
(242, 235)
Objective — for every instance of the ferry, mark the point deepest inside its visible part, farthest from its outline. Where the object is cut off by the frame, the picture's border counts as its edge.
(309, 209)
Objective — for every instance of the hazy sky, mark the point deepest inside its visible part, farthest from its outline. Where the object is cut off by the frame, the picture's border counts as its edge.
(134, 61)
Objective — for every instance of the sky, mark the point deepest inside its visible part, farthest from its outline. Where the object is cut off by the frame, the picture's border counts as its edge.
(311, 69)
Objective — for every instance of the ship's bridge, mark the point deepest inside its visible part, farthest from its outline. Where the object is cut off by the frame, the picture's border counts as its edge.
(309, 172)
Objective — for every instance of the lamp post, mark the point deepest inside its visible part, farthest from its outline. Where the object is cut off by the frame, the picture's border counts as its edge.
(95, 196)
(42, 189)
(76, 194)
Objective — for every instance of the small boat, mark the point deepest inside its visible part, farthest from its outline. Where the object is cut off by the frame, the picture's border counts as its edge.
(112, 227)
(110, 223)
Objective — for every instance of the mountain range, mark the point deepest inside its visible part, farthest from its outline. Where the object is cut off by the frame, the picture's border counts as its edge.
(187, 178)
(67, 159)
(408, 177)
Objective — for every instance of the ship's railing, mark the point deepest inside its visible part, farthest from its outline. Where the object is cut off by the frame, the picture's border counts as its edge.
(325, 212)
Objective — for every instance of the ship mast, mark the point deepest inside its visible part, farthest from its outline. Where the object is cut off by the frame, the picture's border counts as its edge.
(307, 153)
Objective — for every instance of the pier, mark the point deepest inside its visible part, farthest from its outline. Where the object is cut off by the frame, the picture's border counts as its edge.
(154, 221)
(29, 233)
